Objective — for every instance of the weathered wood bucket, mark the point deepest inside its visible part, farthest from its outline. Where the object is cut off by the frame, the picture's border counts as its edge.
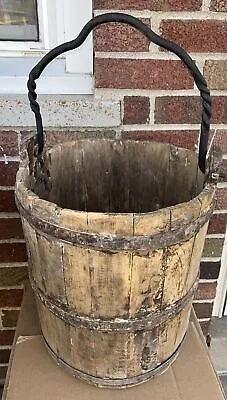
(114, 289)
(114, 233)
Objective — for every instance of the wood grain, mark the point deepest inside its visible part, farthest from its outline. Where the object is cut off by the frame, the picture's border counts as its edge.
(146, 283)
(177, 264)
(181, 181)
(110, 283)
(56, 332)
(50, 255)
(77, 279)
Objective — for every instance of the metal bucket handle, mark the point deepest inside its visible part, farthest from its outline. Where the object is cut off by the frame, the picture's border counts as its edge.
(140, 26)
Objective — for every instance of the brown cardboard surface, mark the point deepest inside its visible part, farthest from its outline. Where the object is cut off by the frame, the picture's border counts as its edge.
(35, 376)
(28, 325)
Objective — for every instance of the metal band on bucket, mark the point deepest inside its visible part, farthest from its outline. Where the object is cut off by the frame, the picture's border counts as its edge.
(115, 383)
(116, 242)
(148, 322)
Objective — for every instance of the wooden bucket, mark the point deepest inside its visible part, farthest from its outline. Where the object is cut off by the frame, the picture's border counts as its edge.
(114, 234)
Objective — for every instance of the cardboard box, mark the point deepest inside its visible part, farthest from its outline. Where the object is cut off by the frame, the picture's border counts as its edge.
(33, 375)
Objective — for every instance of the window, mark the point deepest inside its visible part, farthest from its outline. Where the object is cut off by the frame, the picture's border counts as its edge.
(18, 20)
(29, 29)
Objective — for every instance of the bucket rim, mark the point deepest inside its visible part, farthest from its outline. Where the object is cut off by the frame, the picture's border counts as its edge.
(115, 231)
(23, 173)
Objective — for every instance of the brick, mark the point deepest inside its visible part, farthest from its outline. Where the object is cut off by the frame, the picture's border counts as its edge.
(218, 5)
(3, 372)
(141, 74)
(221, 199)
(10, 228)
(10, 318)
(8, 173)
(152, 5)
(120, 37)
(219, 110)
(12, 252)
(4, 356)
(6, 337)
(203, 310)
(11, 297)
(205, 326)
(221, 140)
(206, 291)
(12, 276)
(136, 110)
(9, 143)
(186, 139)
(7, 201)
(215, 73)
(197, 35)
(182, 5)
(188, 110)
(224, 170)
(213, 247)
(218, 223)
(177, 110)
(209, 270)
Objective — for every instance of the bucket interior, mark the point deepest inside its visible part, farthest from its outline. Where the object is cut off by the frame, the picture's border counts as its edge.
(114, 176)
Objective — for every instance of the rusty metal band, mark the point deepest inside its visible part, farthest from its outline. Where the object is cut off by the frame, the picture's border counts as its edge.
(115, 383)
(147, 322)
(112, 243)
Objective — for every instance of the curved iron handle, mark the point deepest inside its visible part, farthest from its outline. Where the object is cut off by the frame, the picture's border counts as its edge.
(140, 26)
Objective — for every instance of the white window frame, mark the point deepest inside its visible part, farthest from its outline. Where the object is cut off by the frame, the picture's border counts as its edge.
(220, 305)
(59, 21)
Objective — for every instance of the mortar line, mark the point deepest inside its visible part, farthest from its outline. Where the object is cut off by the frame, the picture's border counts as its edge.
(117, 94)
(210, 259)
(9, 215)
(158, 55)
(215, 236)
(207, 301)
(6, 159)
(14, 265)
(206, 5)
(169, 127)
(12, 287)
(6, 241)
(165, 15)
(204, 319)
(8, 328)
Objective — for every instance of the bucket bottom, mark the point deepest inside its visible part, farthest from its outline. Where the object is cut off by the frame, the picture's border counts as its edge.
(115, 383)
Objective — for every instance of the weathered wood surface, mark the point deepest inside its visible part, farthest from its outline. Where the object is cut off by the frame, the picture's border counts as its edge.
(111, 354)
(119, 193)
(181, 176)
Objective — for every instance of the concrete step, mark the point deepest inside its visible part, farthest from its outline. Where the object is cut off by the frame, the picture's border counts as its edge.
(223, 379)
(218, 352)
(218, 348)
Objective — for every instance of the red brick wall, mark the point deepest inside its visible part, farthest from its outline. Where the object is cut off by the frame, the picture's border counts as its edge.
(158, 102)
(158, 96)
(12, 247)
